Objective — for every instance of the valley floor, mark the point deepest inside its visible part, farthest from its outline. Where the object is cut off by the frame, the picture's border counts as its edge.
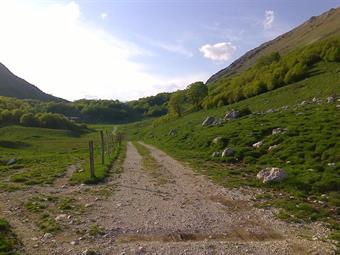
(166, 210)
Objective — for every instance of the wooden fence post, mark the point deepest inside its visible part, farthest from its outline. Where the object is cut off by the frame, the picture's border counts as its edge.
(102, 146)
(92, 175)
(108, 144)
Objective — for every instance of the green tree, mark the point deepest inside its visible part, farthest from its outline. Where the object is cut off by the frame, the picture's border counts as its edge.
(196, 92)
(29, 120)
(176, 103)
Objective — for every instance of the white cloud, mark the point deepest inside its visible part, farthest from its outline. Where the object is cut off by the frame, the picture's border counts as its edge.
(53, 47)
(269, 19)
(219, 51)
(103, 15)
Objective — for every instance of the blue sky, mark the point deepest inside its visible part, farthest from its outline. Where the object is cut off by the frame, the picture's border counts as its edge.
(129, 49)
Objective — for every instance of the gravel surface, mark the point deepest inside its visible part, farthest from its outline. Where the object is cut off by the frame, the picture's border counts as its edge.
(134, 213)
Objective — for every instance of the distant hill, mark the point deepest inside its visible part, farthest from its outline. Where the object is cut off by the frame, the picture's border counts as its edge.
(315, 29)
(13, 86)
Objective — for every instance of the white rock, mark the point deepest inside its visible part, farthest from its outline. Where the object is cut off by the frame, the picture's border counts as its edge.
(217, 140)
(272, 147)
(60, 217)
(272, 174)
(75, 242)
(258, 144)
(227, 152)
(231, 115)
(215, 154)
(278, 131)
(330, 99)
(208, 121)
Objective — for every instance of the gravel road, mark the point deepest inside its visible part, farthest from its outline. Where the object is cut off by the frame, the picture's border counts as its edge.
(184, 214)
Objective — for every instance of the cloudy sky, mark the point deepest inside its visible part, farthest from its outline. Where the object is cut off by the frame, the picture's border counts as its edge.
(126, 49)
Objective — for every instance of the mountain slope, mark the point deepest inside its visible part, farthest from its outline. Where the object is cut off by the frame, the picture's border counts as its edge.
(315, 29)
(13, 86)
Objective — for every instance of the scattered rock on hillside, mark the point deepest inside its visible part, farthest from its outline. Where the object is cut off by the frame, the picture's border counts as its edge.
(258, 144)
(173, 132)
(228, 152)
(272, 147)
(233, 114)
(46, 236)
(276, 131)
(330, 99)
(217, 140)
(272, 174)
(11, 161)
(208, 121)
(218, 122)
(90, 252)
(60, 217)
(215, 154)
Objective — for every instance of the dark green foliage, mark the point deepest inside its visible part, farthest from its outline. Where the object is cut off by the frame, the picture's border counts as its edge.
(196, 92)
(176, 103)
(45, 120)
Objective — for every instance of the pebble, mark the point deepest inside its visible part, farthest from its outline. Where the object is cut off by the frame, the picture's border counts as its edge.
(75, 242)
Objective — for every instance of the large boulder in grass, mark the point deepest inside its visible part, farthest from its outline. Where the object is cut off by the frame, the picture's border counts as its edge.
(330, 99)
(233, 114)
(272, 174)
(208, 121)
(228, 152)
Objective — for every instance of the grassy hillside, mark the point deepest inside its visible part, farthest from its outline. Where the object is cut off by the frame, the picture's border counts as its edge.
(309, 150)
(316, 28)
(272, 72)
(13, 86)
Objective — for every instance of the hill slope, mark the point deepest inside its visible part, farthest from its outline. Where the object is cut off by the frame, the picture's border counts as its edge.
(13, 86)
(315, 29)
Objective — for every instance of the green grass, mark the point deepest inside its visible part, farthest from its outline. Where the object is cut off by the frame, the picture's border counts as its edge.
(44, 154)
(8, 241)
(309, 151)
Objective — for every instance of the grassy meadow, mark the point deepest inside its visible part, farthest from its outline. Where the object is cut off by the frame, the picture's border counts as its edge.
(41, 155)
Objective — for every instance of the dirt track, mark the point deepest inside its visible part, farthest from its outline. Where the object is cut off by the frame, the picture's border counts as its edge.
(184, 214)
